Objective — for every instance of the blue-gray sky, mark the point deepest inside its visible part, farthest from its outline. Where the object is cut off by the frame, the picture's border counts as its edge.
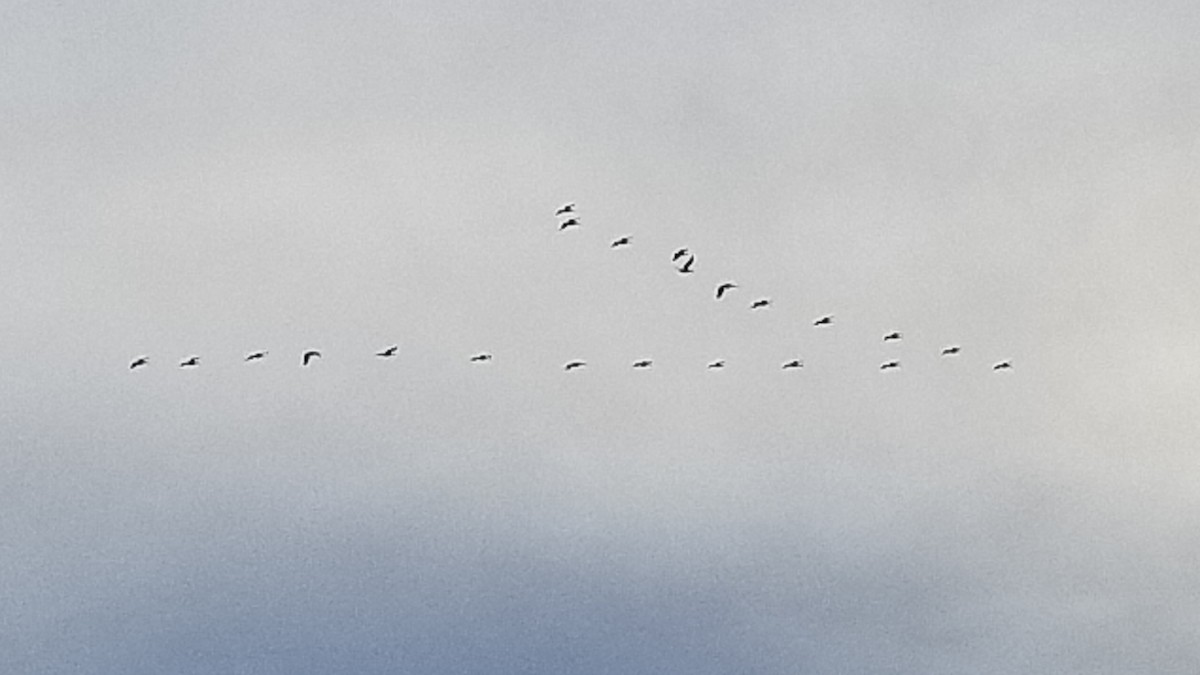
(213, 179)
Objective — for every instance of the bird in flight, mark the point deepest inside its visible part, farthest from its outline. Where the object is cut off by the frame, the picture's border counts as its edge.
(795, 363)
(643, 364)
(190, 363)
(759, 304)
(950, 351)
(889, 365)
(623, 241)
(480, 358)
(1003, 365)
(679, 254)
(139, 362)
(824, 321)
(687, 265)
(254, 356)
(387, 353)
(569, 207)
(309, 356)
(727, 286)
(574, 364)
(570, 222)
(892, 336)
(717, 364)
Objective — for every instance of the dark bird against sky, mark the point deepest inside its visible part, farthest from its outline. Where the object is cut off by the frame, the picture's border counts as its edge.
(717, 364)
(949, 351)
(892, 336)
(479, 358)
(388, 353)
(623, 241)
(889, 365)
(759, 304)
(646, 363)
(569, 207)
(254, 356)
(574, 364)
(139, 362)
(824, 321)
(687, 265)
(727, 286)
(679, 254)
(309, 356)
(1003, 365)
(570, 222)
(190, 363)
(795, 363)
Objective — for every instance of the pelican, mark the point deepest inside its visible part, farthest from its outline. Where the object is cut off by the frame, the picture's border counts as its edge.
(643, 364)
(570, 222)
(795, 363)
(727, 286)
(309, 356)
(190, 363)
(1003, 365)
(139, 362)
(687, 265)
(679, 254)
(569, 207)
(759, 304)
(950, 351)
(892, 336)
(574, 364)
(254, 356)
(480, 358)
(387, 353)
(889, 365)
(824, 321)
(623, 241)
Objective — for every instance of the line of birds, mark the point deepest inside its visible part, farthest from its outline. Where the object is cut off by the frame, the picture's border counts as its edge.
(568, 218)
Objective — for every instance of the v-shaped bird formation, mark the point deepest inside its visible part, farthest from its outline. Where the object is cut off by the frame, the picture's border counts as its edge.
(568, 218)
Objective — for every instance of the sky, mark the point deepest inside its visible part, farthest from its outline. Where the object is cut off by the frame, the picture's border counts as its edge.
(214, 178)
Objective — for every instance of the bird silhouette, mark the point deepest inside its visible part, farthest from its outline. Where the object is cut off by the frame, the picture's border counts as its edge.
(1003, 365)
(387, 353)
(643, 364)
(717, 364)
(623, 241)
(569, 207)
(949, 351)
(892, 336)
(254, 356)
(889, 365)
(309, 356)
(190, 363)
(480, 358)
(139, 362)
(727, 286)
(679, 254)
(795, 363)
(570, 222)
(824, 321)
(687, 265)
(759, 304)
(574, 364)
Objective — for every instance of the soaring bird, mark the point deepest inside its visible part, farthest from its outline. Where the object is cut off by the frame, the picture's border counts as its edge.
(480, 358)
(824, 321)
(309, 356)
(727, 286)
(889, 365)
(570, 222)
(1003, 365)
(759, 304)
(892, 336)
(642, 364)
(687, 265)
(623, 241)
(795, 363)
(387, 353)
(569, 207)
(190, 363)
(254, 356)
(139, 361)
(949, 351)
(574, 364)
(717, 364)
(679, 254)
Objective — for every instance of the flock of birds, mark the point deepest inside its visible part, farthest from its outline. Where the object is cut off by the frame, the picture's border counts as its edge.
(568, 219)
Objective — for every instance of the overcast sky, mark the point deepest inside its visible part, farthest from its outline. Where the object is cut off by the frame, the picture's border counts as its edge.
(213, 178)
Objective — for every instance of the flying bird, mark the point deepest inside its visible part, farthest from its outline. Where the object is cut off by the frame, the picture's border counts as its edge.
(759, 304)
(687, 265)
(190, 363)
(948, 351)
(892, 336)
(574, 364)
(569, 207)
(623, 241)
(254, 356)
(795, 363)
(387, 353)
(480, 358)
(643, 364)
(1003, 365)
(727, 286)
(717, 364)
(824, 321)
(139, 362)
(570, 222)
(679, 254)
(309, 356)
(889, 365)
